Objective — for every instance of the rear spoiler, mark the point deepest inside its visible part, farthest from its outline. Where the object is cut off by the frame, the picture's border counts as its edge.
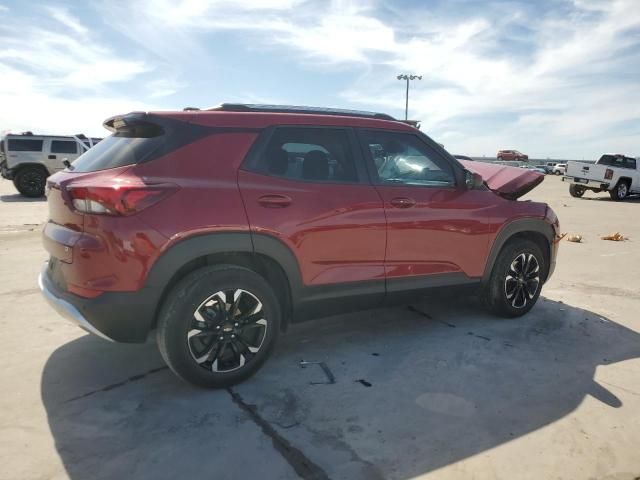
(134, 124)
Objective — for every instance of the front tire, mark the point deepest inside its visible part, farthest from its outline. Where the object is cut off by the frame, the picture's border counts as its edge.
(620, 191)
(218, 326)
(516, 280)
(576, 190)
(30, 181)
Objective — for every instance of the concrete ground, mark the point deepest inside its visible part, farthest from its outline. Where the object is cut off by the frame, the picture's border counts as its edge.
(443, 391)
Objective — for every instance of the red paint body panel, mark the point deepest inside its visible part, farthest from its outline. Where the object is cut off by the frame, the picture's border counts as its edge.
(446, 231)
(505, 180)
(208, 198)
(337, 232)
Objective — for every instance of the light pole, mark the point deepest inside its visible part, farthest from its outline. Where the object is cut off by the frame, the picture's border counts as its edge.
(404, 76)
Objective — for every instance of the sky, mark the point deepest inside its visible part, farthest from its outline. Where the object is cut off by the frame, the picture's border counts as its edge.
(551, 78)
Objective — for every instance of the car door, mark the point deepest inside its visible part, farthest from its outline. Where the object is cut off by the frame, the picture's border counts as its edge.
(308, 188)
(437, 229)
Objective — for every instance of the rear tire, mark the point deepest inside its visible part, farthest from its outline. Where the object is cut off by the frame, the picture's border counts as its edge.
(620, 191)
(218, 326)
(516, 279)
(576, 190)
(30, 181)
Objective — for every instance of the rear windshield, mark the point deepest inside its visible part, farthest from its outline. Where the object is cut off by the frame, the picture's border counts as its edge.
(617, 161)
(117, 151)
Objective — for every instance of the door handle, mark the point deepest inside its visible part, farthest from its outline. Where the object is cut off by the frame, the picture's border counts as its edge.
(403, 202)
(274, 201)
(52, 157)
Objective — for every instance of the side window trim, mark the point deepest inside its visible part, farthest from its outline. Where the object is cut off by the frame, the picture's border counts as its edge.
(373, 173)
(253, 160)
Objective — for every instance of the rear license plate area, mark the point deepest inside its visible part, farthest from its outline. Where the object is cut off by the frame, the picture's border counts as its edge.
(580, 180)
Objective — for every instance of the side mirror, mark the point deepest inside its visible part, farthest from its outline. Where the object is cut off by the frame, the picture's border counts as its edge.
(473, 181)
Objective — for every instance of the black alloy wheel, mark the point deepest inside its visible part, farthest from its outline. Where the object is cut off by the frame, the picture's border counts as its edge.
(522, 281)
(30, 181)
(227, 330)
(218, 325)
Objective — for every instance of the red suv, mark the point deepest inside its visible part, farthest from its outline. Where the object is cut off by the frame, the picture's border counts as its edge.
(512, 155)
(218, 228)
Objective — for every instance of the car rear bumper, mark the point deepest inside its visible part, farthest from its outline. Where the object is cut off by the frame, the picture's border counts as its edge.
(586, 182)
(115, 316)
(64, 308)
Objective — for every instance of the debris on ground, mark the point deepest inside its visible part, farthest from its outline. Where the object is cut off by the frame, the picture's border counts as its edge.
(331, 379)
(363, 382)
(615, 237)
(572, 237)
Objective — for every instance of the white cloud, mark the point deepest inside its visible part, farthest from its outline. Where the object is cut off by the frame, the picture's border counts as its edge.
(68, 20)
(58, 80)
(26, 106)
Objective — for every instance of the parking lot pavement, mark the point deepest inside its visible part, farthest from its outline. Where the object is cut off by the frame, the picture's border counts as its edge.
(442, 389)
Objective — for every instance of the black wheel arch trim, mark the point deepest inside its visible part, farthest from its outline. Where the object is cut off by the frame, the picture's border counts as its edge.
(21, 166)
(171, 261)
(508, 231)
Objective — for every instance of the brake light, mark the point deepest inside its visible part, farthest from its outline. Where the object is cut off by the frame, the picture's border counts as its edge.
(117, 199)
(608, 174)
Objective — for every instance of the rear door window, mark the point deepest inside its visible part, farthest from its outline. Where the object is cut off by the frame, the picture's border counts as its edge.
(64, 146)
(310, 154)
(24, 145)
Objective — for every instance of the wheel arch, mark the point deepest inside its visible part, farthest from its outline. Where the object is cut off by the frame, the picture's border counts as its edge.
(22, 165)
(627, 180)
(267, 256)
(534, 229)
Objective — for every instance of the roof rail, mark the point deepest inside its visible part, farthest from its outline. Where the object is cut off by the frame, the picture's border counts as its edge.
(250, 107)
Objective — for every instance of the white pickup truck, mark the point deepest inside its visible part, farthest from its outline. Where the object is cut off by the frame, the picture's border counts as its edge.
(615, 173)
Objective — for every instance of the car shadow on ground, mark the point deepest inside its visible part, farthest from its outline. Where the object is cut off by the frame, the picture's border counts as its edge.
(20, 198)
(415, 389)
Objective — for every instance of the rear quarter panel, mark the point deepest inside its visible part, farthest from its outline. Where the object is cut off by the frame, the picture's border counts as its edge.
(208, 198)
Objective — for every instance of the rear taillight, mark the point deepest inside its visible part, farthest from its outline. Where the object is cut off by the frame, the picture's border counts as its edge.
(608, 174)
(117, 199)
